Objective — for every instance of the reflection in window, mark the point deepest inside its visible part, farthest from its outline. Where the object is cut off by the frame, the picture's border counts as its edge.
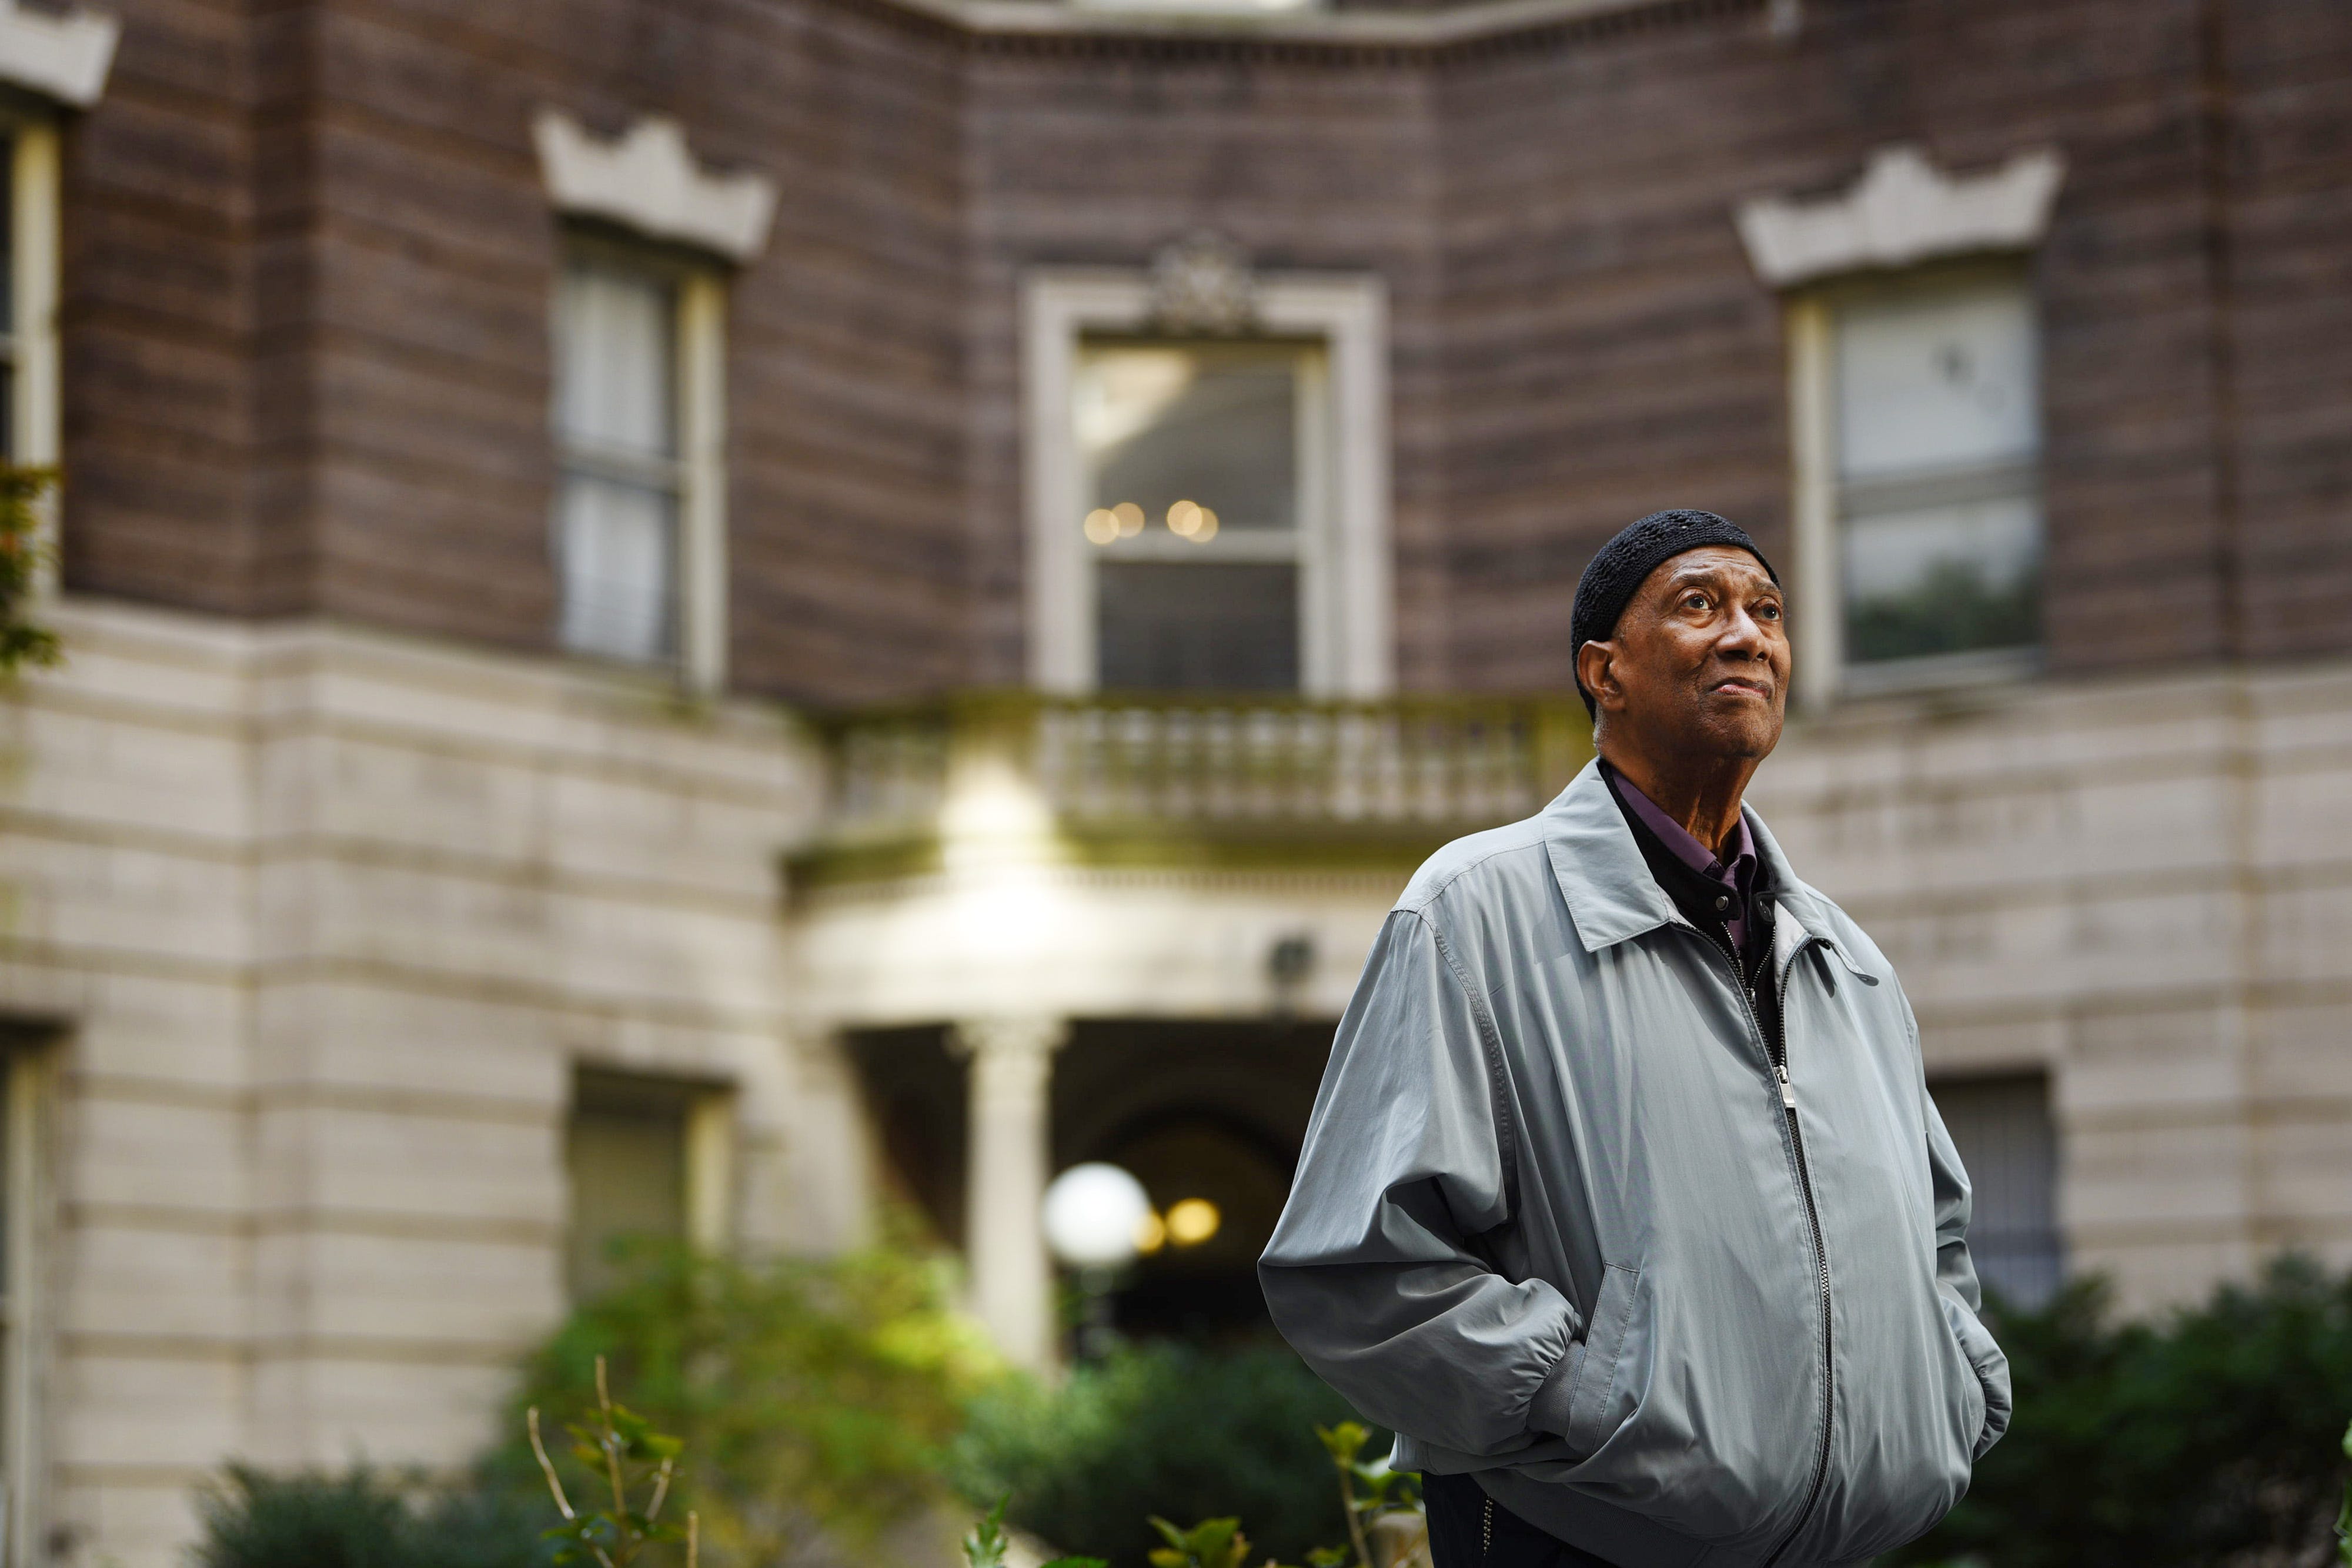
(1938, 424)
(2001, 1128)
(1197, 488)
(617, 437)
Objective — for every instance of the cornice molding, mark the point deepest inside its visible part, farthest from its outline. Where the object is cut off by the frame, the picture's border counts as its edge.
(1141, 21)
(648, 180)
(61, 57)
(1902, 211)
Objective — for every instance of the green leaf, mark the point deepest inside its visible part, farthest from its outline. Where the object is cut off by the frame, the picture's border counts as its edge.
(1344, 1441)
(985, 1547)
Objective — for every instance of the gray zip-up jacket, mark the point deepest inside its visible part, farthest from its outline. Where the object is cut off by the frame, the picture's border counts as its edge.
(1562, 1221)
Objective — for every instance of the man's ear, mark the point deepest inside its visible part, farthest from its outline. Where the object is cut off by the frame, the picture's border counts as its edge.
(1594, 667)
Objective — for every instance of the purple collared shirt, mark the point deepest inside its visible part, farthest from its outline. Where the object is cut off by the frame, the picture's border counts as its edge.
(1735, 879)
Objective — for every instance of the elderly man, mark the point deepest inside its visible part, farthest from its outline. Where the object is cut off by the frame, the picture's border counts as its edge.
(1624, 1202)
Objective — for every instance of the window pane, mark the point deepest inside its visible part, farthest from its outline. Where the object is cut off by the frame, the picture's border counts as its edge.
(1212, 424)
(624, 1151)
(1943, 580)
(7, 298)
(1222, 626)
(616, 561)
(2001, 1128)
(613, 360)
(1936, 380)
(7, 236)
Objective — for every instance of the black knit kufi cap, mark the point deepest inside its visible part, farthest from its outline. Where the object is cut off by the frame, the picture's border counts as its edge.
(1610, 582)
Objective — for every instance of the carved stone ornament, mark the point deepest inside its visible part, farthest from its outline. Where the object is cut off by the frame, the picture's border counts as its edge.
(1903, 210)
(648, 181)
(58, 55)
(1201, 283)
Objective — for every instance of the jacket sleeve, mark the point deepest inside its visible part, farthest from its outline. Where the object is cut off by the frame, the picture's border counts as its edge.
(1370, 1274)
(1956, 1276)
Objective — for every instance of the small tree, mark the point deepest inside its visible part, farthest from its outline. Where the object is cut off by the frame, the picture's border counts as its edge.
(628, 1453)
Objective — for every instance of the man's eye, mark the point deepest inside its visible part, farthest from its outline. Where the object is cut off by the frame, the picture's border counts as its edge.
(1768, 611)
(1695, 601)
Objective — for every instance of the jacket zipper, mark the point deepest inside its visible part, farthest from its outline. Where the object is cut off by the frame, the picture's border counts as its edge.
(1780, 1061)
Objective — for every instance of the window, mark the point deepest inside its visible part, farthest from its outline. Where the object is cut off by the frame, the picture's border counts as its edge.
(639, 520)
(21, 1098)
(2001, 1128)
(648, 1160)
(1208, 502)
(8, 299)
(29, 282)
(1200, 462)
(1918, 475)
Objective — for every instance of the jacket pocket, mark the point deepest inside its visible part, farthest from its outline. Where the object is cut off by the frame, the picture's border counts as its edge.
(1989, 1366)
(1590, 1401)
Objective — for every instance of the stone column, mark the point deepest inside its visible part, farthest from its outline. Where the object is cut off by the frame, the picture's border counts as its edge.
(1012, 1279)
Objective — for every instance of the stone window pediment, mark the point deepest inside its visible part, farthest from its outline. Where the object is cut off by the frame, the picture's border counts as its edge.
(1901, 212)
(648, 181)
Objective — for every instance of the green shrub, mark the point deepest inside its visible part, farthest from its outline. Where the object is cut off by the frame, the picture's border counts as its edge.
(1163, 1429)
(360, 1519)
(2208, 1435)
(816, 1399)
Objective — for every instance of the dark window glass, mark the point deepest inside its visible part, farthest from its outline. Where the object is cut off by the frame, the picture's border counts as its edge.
(1163, 625)
(2002, 1129)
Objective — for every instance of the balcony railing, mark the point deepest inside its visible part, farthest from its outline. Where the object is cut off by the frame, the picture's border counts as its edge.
(1188, 777)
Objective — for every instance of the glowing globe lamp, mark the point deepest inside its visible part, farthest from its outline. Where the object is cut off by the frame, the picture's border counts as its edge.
(1094, 1216)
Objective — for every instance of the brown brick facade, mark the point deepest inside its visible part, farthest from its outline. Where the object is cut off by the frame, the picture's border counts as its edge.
(309, 259)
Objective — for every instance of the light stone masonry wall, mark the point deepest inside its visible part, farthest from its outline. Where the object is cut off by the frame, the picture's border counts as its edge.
(316, 922)
(2144, 886)
(319, 920)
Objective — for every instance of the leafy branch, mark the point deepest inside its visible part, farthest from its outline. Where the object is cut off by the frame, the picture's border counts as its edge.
(625, 1447)
(22, 555)
(986, 1545)
(1385, 1493)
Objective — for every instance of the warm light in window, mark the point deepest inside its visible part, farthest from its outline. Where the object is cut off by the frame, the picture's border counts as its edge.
(1204, 528)
(1183, 517)
(1193, 1221)
(1130, 519)
(1151, 1234)
(1101, 526)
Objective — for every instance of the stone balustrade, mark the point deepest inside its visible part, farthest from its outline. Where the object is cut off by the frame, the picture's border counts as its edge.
(1188, 776)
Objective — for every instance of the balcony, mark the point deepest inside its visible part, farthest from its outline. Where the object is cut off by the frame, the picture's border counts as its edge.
(1180, 781)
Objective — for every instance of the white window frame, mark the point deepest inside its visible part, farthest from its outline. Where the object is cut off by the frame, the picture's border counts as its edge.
(1346, 615)
(698, 385)
(24, 1071)
(29, 355)
(1817, 630)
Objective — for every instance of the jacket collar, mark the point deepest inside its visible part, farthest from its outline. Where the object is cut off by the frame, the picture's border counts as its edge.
(1612, 896)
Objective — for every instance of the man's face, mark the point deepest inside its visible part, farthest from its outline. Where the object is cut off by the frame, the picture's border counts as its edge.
(1699, 665)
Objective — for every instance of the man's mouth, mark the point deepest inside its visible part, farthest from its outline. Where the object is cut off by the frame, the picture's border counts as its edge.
(1738, 683)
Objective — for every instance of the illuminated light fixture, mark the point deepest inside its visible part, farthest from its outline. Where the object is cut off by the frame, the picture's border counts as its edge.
(1101, 526)
(1151, 1235)
(1183, 517)
(1130, 517)
(1204, 528)
(1193, 1221)
(1093, 1215)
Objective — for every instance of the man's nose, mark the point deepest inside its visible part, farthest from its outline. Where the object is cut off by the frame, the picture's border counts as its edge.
(1743, 637)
